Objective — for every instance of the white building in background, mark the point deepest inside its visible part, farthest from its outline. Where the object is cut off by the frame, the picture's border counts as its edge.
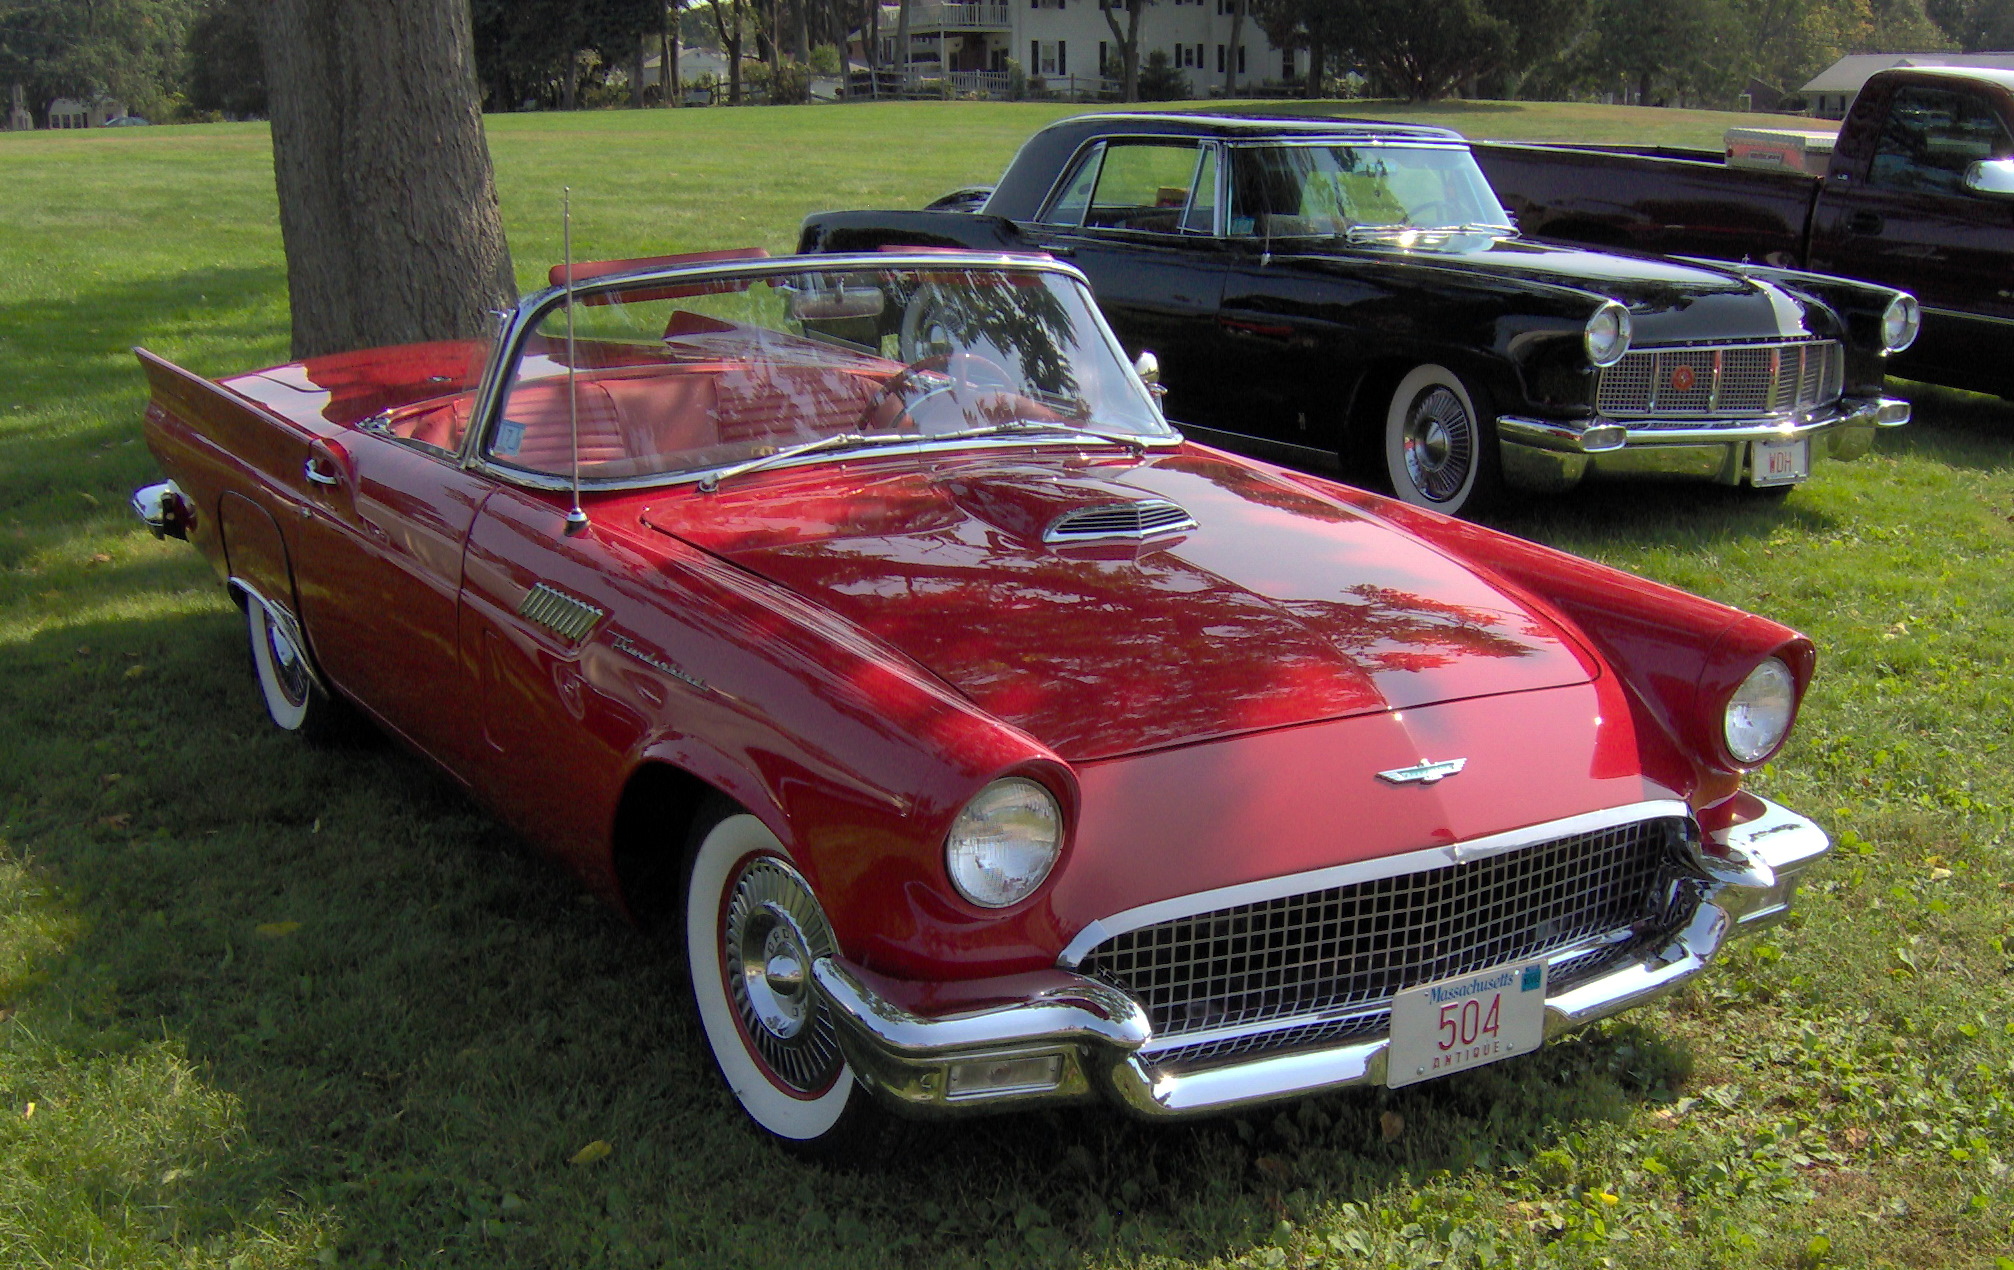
(1068, 45)
(1832, 90)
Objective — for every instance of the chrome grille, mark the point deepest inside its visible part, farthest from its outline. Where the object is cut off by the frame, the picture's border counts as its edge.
(1736, 381)
(1314, 967)
(1142, 519)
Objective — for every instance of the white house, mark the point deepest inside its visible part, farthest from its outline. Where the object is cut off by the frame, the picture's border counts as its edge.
(1832, 90)
(1069, 45)
(67, 112)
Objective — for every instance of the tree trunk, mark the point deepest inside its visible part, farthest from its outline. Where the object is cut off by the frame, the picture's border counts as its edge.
(667, 60)
(1318, 58)
(388, 209)
(902, 49)
(1231, 50)
(874, 48)
(636, 76)
(1129, 46)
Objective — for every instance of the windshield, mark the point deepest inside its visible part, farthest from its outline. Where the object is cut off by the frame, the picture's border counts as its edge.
(1288, 190)
(675, 376)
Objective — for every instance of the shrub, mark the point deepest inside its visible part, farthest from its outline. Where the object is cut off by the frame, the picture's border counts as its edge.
(1160, 80)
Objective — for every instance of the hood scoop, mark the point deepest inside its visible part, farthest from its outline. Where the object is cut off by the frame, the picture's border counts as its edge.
(1112, 522)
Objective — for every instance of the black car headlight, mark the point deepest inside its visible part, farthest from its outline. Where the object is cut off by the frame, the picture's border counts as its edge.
(1004, 843)
(1900, 322)
(1607, 335)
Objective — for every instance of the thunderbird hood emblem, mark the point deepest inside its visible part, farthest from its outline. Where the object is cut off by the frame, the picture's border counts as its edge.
(1423, 773)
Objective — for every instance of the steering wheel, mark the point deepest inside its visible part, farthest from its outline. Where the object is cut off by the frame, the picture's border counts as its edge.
(1419, 216)
(957, 378)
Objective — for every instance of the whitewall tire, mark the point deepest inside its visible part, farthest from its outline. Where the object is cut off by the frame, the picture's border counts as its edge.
(752, 929)
(294, 701)
(1439, 443)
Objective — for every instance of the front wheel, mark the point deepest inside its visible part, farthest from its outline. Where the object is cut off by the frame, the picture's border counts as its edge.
(1439, 443)
(753, 929)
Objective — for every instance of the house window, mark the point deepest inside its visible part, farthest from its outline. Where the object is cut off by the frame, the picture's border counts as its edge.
(1048, 57)
(1220, 59)
(1104, 59)
(1287, 64)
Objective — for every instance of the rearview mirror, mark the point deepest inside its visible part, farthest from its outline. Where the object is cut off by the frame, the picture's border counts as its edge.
(1992, 177)
(825, 303)
(1148, 368)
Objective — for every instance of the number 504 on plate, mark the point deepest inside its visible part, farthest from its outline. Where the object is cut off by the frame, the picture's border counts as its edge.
(1442, 1028)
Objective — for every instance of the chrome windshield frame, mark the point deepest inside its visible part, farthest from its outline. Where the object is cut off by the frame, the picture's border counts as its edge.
(530, 310)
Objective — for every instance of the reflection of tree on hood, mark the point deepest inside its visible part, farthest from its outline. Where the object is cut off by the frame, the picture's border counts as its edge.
(1016, 315)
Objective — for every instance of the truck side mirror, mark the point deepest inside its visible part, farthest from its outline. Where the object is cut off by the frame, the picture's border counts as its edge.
(1991, 177)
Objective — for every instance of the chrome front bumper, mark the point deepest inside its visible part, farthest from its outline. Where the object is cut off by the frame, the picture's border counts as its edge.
(1542, 455)
(1061, 1036)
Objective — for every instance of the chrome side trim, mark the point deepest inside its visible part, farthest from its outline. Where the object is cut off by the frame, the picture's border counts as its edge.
(1104, 928)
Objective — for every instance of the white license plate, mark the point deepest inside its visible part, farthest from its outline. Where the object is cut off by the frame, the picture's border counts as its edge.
(1779, 462)
(1451, 1026)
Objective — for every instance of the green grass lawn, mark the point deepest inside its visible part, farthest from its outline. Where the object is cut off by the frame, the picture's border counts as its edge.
(262, 1005)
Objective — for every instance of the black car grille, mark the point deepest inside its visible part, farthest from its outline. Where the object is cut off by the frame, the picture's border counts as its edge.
(1323, 966)
(1737, 381)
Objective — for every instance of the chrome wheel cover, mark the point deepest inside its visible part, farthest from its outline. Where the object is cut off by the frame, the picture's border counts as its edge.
(770, 932)
(290, 669)
(1440, 444)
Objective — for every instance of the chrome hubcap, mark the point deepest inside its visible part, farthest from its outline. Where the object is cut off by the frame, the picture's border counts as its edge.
(1439, 444)
(289, 668)
(767, 965)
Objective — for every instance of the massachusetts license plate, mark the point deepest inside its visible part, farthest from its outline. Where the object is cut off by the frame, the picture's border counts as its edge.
(1779, 462)
(1442, 1028)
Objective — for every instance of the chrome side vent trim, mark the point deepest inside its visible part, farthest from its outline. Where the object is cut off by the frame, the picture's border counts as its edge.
(559, 612)
(1148, 518)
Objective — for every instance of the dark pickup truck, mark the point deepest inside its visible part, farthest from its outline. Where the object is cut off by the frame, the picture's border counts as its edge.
(1919, 195)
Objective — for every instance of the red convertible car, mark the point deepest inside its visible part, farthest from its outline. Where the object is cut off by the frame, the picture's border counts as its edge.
(992, 744)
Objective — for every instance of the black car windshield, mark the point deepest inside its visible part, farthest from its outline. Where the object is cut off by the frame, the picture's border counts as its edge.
(1284, 191)
(666, 376)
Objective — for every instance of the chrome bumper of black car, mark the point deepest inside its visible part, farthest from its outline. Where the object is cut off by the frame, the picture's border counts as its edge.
(1073, 1037)
(1542, 455)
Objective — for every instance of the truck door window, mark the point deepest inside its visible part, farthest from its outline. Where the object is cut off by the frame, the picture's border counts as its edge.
(1931, 136)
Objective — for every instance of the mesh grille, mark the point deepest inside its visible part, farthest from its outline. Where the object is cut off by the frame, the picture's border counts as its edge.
(1734, 381)
(1322, 953)
(1120, 520)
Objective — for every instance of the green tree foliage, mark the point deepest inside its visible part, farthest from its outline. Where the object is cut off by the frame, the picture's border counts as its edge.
(1160, 80)
(227, 72)
(129, 50)
(533, 49)
(1977, 26)
(1426, 49)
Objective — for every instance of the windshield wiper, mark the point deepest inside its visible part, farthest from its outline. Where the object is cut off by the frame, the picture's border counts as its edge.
(851, 440)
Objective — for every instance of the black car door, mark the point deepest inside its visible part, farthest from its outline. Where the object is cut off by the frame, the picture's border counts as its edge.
(1140, 218)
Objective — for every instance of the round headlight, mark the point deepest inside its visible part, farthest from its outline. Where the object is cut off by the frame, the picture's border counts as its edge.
(1758, 714)
(1607, 334)
(1899, 323)
(1004, 843)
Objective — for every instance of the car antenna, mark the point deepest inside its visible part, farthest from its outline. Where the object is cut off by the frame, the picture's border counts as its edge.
(576, 519)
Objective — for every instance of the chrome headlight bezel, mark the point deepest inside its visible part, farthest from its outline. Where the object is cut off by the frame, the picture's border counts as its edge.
(1901, 322)
(1606, 336)
(1759, 712)
(1005, 842)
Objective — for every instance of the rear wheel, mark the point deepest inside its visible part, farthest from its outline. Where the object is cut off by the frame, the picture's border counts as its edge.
(1439, 443)
(753, 929)
(295, 700)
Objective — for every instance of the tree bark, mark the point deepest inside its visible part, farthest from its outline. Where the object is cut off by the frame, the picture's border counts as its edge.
(1129, 47)
(1231, 50)
(902, 49)
(388, 206)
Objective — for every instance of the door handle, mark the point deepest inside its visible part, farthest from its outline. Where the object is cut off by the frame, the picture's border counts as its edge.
(320, 475)
(1864, 223)
(1272, 330)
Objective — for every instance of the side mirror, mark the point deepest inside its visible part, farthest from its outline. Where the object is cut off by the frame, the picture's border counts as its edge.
(1148, 368)
(1991, 177)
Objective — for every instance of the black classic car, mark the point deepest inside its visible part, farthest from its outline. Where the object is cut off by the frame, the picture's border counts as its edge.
(1353, 295)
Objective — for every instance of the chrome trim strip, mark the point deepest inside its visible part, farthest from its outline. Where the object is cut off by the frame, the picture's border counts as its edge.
(1086, 1010)
(1104, 928)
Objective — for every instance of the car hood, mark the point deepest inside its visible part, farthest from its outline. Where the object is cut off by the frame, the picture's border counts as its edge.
(1670, 299)
(1271, 606)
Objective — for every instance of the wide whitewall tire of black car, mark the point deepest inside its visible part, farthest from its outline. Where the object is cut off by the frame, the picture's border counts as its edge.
(1439, 443)
(752, 929)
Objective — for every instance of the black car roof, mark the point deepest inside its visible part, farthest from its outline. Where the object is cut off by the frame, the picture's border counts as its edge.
(1260, 125)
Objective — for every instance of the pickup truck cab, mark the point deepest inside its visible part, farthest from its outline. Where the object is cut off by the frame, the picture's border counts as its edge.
(1353, 295)
(1919, 195)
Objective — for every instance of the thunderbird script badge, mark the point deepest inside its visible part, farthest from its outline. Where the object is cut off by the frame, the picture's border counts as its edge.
(1424, 773)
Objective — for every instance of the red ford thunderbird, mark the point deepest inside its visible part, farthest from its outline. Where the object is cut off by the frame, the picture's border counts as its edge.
(993, 745)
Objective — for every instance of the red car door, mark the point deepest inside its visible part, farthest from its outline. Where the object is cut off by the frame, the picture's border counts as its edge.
(378, 569)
